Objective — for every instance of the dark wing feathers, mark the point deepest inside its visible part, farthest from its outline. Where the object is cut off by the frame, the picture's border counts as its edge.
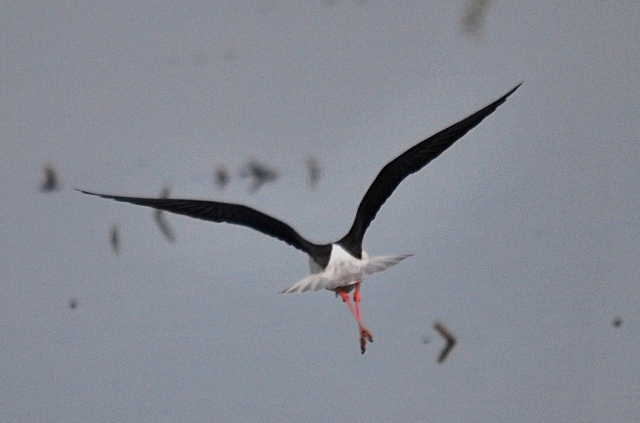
(404, 165)
(380, 190)
(230, 213)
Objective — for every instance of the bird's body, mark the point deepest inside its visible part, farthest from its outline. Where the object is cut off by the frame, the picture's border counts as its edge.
(341, 265)
(343, 270)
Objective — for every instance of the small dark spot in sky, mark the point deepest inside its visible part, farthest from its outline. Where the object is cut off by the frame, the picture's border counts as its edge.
(73, 304)
(474, 15)
(115, 239)
(221, 177)
(161, 220)
(313, 172)
(50, 182)
(617, 322)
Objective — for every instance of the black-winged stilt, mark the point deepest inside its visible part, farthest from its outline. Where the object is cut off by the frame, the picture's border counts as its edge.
(339, 266)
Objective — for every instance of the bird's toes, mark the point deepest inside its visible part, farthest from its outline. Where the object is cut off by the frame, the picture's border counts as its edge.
(365, 334)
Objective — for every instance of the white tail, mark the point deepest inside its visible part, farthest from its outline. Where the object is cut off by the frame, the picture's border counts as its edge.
(344, 272)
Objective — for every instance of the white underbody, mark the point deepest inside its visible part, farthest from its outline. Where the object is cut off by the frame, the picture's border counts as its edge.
(343, 270)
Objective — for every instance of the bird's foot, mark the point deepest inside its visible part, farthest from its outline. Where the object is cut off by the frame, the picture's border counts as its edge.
(365, 336)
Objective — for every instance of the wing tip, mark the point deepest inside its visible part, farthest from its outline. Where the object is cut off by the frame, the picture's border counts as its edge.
(513, 90)
(88, 192)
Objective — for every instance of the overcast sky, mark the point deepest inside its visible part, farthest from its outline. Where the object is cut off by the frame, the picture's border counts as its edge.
(525, 233)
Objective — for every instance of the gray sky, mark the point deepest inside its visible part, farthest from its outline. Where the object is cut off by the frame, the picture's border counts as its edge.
(525, 232)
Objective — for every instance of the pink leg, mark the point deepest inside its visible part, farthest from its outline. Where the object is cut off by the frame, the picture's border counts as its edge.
(347, 300)
(356, 299)
(365, 335)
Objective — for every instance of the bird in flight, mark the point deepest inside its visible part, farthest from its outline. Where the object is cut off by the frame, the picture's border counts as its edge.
(449, 339)
(339, 266)
(50, 182)
(114, 237)
(221, 177)
(313, 172)
(161, 221)
(259, 173)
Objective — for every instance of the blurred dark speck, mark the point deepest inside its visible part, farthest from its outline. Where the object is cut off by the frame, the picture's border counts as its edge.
(617, 322)
(474, 15)
(313, 172)
(161, 220)
(114, 236)
(50, 182)
(221, 177)
(73, 304)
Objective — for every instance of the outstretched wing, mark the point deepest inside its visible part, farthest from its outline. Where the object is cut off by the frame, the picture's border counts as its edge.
(404, 165)
(230, 213)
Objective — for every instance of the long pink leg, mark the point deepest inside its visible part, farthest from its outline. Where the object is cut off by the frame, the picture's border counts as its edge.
(356, 299)
(365, 335)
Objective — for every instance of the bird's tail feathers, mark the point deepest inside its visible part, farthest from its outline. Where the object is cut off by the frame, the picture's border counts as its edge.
(345, 273)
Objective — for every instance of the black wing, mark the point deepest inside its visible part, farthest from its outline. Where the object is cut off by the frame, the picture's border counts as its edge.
(404, 165)
(231, 213)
